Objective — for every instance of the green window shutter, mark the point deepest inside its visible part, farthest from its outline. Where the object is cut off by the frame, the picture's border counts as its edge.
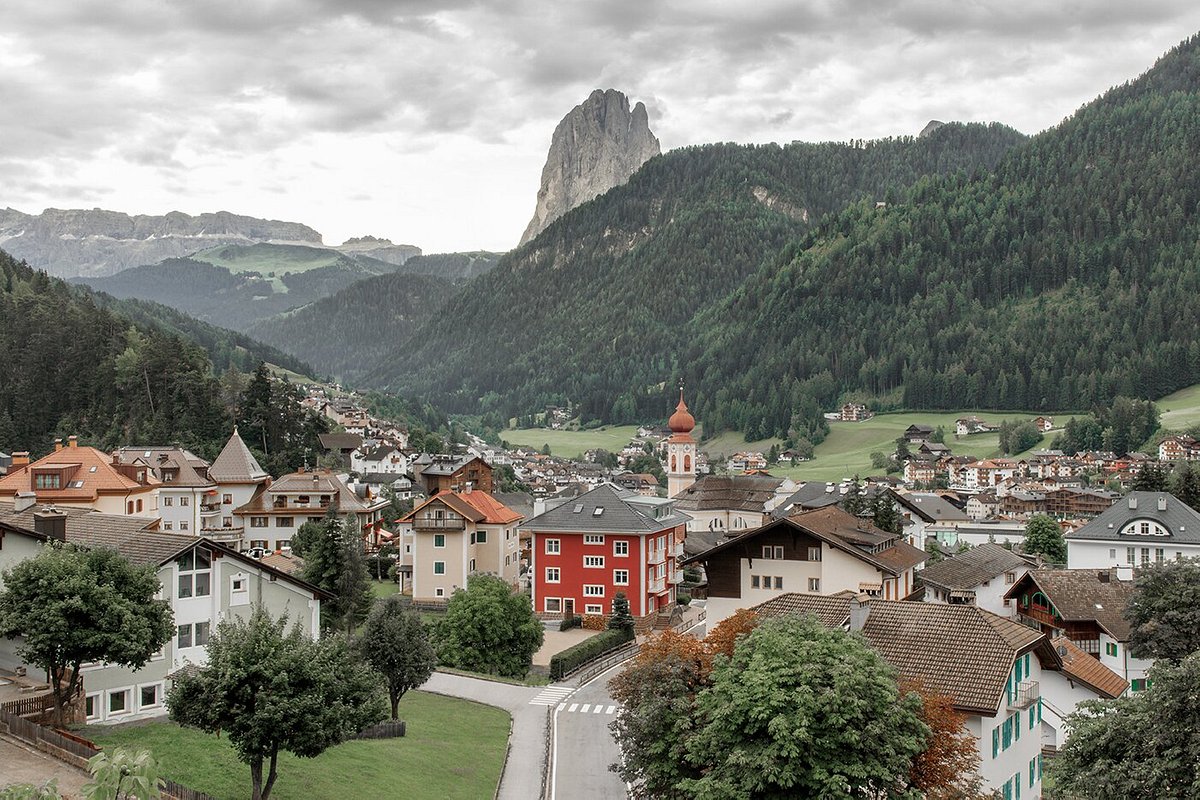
(1016, 779)
(1006, 735)
(1032, 769)
(1017, 726)
(1032, 712)
(1039, 760)
(1039, 709)
(995, 742)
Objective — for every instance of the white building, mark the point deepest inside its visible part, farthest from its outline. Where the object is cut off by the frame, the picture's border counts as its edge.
(1143, 527)
(980, 577)
(187, 497)
(273, 516)
(204, 583)
(239, 479)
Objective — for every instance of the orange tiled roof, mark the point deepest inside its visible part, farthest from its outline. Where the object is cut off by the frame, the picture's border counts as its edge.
(479, 507)
(1088, 670)
(88, 473)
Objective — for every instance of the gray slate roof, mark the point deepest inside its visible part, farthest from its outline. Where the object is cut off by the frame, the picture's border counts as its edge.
(236, 464)
(189, 467)
(931, 507)
(620, 513)
(733, 492)
(1180, 521)
(132, 537)
(813, 494)
(968, 570)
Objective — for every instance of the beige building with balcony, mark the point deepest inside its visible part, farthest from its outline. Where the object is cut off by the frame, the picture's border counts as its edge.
(272, 516)
(459, 534)
(187, 497)
(238, 479)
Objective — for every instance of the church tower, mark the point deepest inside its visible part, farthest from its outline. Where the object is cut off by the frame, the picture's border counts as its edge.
(681, 449)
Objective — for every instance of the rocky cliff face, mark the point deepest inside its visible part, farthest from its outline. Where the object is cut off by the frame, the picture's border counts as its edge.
(596, 147)
(78, 242)
(382, 249)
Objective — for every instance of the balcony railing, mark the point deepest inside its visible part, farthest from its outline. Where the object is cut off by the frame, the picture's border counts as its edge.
(1040, 615)
(210, 508)
(657, 585)
(435, 524)
(657, 555)
(1027, 694)
(677, 576)
(677, 549)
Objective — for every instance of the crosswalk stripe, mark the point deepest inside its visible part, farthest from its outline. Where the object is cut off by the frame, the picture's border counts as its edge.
(574, 706)
(561, 706)
(585, 708)
(611, 709)
(599, 709)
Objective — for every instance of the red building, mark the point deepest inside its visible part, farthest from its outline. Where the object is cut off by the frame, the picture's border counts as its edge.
(603, 542)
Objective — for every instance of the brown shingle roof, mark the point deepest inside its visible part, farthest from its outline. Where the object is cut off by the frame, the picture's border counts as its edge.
(186, 466)
(734, 492)
(970, 569)
(1081, 595)
(961, 651)
(1088, 670)
(89, 473)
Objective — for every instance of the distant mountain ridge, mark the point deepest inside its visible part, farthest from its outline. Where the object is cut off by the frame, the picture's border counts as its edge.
(93, 242)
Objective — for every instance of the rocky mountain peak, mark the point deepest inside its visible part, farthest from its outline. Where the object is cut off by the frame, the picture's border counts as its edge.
(930, 127)
(597, 146)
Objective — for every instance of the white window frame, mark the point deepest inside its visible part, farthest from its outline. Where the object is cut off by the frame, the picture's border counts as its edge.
(556, 572)
(593, 608)
(435, 568)
(158, 695)
(618, 547)
(109, 695)
(593, 590)
(546, 605)
(97, 699)
(814, 584)
(616, 577)
(593, 562)
(439, 592)
(553, 547)
(593, 538)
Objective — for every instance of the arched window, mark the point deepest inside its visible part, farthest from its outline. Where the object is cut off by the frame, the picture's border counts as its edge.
(687, 463)
(139, 505)
(129, 507)
(672, 462)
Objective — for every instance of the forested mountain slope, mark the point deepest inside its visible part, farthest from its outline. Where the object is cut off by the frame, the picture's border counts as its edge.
(1069, 275)
(71, 366)
(600, 307)
(346, 334)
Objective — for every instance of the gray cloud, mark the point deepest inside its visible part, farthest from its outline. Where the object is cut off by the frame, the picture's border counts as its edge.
(196, 96)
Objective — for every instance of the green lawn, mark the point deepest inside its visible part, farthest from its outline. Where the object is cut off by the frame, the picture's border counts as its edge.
(1181, 410)
(381, 589)
(453, 749)
(572, 444)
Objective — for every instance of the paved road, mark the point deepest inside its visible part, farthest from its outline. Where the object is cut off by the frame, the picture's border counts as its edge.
(583, 745)
(21, 763)
(527, 745)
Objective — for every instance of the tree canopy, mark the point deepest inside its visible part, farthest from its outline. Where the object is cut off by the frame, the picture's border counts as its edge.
(1043, 536)
(1164, 611)
(1141, 745)
(71, 606)
(271, 689)
(395, 644)
(488, 627)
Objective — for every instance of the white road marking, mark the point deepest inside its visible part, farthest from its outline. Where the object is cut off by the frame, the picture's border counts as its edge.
(585, 708)
(599, 709)
(552, 695)
(574, 706)
(561, 706)
(611, 709)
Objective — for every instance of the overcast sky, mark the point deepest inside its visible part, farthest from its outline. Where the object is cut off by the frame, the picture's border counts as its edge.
(428, 122)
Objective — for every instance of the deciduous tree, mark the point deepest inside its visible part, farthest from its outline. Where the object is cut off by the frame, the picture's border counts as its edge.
(1164, 611)
(271, 689)
(1143, 745)
(948, 767)
(803, 711)
(395, 644)
(1042, 535)
(490, 628)
(722, 638)
(71, 606)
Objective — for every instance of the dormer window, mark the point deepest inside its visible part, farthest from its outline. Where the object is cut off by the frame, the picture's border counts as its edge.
(47, 480)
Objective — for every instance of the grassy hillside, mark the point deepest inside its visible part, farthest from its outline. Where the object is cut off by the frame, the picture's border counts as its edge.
(1181, 410)
(572, 444)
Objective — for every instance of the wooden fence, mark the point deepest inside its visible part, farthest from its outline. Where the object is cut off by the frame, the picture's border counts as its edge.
(389, 729)
(71, 749)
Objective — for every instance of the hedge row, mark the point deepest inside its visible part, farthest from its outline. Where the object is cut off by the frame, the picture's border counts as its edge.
(573, 658)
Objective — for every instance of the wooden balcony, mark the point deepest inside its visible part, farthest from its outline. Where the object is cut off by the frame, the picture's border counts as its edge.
(439, 524)
(1038, 614)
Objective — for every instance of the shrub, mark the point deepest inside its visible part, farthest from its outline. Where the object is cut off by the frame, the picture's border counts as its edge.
(595, 622)
(570, 622)
(573, 658)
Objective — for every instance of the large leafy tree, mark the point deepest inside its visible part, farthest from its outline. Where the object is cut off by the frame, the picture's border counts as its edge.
(71, 606)
(490, 628)
(1042, 535)
(656, 692)
(1142, 745)
(1185, 485)
(804, 711)
(396, 646)
(1164, 611)
(271, 689)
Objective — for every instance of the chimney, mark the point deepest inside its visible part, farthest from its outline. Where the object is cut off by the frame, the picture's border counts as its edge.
(57, 445)
(51, 523)
(1124, 573)
(1162, 503)
(72, 441)
(1133, 503)
(24, 501)
(20, 458)
(859, 611)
